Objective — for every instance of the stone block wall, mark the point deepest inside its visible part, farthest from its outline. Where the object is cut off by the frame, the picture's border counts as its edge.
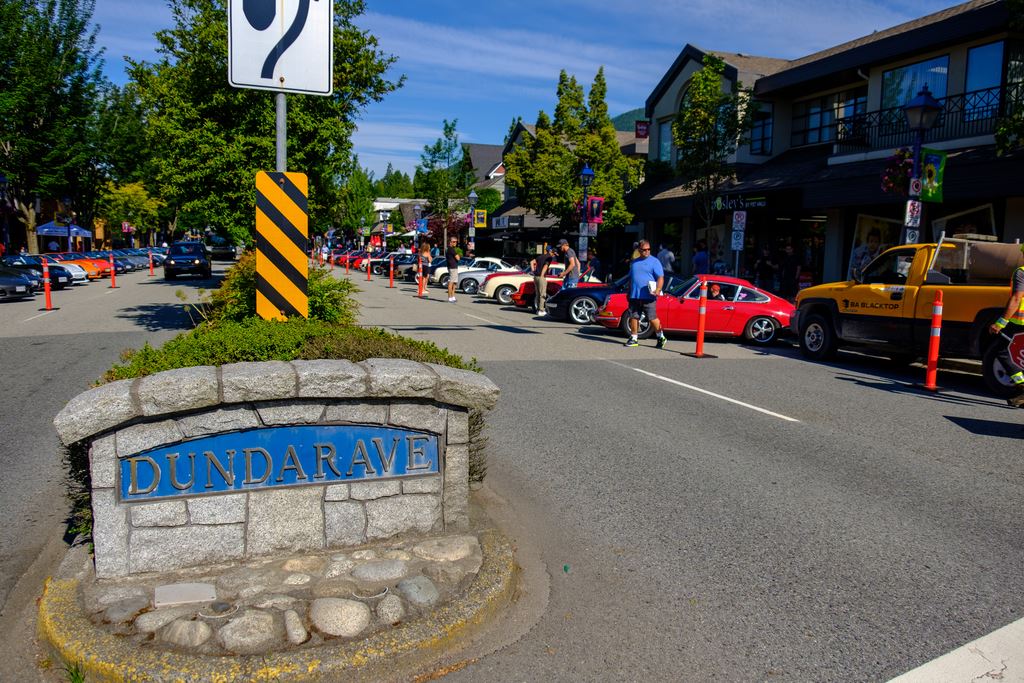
(122, 419)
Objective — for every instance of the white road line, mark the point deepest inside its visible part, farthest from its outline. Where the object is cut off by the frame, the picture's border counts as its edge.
(708, 393)
(38, 316)
(997, 656)
(489, 322)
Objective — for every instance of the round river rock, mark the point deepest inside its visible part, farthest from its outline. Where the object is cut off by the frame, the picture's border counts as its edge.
(339, 617)
(449, 549)
(377, 571)
(186, 633)
(251, 633)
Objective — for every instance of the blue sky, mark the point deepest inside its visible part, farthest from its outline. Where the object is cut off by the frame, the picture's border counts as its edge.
(486, 63)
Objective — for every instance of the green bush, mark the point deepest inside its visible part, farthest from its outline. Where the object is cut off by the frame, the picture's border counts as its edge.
(254, 339)
(330, 299)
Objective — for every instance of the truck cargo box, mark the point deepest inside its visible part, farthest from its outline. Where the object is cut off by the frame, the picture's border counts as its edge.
(974, 262)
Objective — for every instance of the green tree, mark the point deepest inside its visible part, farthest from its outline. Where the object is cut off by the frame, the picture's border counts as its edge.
(210, 140)
(711, 124)
(545, 167)
(49, 79)
(394, 184)
(488, 199)
(445, 181)
(129, 203)
(357, 195)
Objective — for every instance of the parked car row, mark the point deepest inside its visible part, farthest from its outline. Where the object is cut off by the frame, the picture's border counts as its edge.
(21, 275)
(734, 307)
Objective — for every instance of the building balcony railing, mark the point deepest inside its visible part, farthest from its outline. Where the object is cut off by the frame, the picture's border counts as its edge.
(965, 115)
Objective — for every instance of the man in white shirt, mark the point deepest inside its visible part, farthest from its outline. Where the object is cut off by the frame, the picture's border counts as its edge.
(667, 258)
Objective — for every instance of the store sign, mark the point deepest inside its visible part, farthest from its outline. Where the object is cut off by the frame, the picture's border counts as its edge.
(739, 203)
(275, 457)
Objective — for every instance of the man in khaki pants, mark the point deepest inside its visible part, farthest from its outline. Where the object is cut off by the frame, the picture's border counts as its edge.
(540, 281)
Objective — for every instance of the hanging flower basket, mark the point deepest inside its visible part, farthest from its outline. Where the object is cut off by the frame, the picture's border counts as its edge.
(897, 172)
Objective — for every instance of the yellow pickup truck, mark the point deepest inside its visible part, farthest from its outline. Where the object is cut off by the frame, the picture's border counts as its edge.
(887, 308)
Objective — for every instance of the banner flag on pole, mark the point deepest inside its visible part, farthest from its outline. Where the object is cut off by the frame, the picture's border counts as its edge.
(933, 168)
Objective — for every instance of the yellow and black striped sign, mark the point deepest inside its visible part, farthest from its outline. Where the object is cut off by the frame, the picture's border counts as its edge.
(282, 229)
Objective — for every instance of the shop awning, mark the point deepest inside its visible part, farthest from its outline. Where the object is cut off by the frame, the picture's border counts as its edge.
(51, 229)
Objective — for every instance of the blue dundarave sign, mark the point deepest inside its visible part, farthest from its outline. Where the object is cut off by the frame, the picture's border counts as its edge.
(277, 456)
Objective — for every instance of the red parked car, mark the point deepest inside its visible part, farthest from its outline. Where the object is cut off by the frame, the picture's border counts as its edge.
(741, 310)
(525, 295)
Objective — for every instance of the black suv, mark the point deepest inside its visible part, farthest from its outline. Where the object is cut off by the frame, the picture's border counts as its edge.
(186, 258)
(219, 248)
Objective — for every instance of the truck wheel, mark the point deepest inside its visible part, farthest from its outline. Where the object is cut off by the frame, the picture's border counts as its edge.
(996, 376)
(817, 338)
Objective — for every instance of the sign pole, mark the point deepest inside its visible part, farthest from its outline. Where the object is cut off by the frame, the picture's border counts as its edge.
(282, 132)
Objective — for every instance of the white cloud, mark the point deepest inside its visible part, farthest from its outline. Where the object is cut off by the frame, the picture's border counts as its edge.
(501, 54)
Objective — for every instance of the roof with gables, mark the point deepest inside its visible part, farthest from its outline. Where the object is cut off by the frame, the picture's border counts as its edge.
(955, 24)
(739, 67)
(486, 159)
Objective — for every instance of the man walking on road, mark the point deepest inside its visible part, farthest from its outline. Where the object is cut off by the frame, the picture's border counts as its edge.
(646, 278)
(571, 274)
(540, 280)
(1011, 323)
(451, 258)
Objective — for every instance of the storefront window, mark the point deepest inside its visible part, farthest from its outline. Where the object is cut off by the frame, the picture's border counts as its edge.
(818, 120)
(901, 85)
(761, 132)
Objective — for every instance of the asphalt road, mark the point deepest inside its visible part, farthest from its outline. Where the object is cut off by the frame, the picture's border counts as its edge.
(47, 359)
(750, 517)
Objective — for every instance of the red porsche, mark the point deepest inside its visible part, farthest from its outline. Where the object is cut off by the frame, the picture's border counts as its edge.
(735, 307)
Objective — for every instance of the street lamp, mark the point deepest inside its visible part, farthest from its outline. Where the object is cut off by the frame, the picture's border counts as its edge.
(586, 178)
(472, 217)
(416, 227)
(67, 208)
(3, 212)
(921, 113)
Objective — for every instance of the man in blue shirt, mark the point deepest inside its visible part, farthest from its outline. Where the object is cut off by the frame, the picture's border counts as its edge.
(646, 278)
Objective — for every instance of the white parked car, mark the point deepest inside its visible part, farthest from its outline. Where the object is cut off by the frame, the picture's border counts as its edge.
(440, 274)
(472, 279)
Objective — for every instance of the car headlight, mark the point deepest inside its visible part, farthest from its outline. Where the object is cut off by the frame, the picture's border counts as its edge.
(170, 261)
(196, 262)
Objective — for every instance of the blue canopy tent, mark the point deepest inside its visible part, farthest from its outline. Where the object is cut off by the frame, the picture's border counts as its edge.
(51, 229)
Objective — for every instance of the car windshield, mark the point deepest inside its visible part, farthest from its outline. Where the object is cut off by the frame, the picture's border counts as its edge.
(186, 249)
(677, 285)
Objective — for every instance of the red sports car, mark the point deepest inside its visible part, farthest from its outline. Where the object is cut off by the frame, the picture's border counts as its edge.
(739, 308)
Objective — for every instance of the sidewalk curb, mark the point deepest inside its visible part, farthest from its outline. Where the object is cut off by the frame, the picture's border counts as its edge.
(105, 657)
